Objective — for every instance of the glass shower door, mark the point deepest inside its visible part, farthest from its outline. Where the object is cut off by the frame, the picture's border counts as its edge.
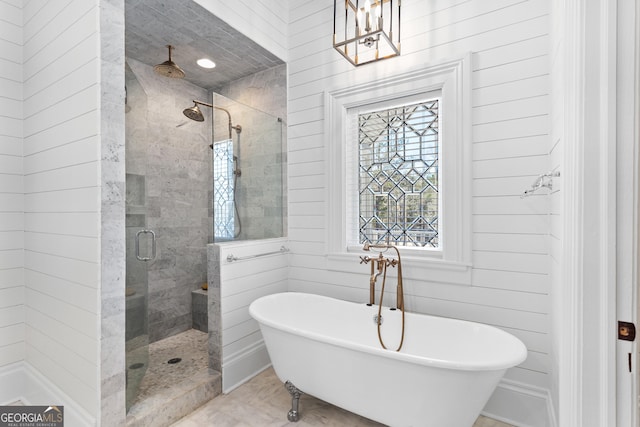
(140, 240)
(137, 322)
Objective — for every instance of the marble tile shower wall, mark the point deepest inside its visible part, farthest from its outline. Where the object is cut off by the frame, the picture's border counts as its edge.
(175, 174)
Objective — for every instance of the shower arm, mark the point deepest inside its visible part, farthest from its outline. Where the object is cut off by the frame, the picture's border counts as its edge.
(206, 104)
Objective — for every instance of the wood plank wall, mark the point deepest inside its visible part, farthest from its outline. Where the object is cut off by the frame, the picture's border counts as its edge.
(12, 329)
(556, 158)
(62, 177)
(241, 283)
(509, 41)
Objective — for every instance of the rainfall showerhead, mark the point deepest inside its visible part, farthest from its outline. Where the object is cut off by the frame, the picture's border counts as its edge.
(194, 113)
(169, 68)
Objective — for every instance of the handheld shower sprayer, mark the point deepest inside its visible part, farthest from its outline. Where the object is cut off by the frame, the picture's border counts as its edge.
(195, 113)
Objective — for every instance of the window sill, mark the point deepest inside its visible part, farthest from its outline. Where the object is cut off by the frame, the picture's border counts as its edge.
(413, 268)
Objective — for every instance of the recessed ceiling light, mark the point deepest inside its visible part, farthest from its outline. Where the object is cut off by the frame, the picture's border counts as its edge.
(206, 63)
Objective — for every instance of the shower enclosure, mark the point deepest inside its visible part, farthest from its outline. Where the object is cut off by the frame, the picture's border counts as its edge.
(188, 183)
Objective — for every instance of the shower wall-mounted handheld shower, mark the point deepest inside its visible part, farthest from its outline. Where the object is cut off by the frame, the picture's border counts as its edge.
(194, 113)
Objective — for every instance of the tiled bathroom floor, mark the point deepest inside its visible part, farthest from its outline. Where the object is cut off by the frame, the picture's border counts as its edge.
(263, 402)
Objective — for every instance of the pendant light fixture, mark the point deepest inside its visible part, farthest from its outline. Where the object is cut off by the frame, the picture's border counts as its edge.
(364, 31)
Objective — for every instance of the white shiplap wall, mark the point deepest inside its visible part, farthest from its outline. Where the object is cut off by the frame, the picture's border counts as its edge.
(556, 149)
(241, 283)
(509, 42)
(12, 310)
(62, 195)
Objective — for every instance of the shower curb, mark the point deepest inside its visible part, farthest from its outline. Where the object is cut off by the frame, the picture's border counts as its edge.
(177, 402)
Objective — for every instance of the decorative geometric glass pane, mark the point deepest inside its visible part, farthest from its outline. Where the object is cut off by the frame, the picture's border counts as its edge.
(399, 175)
(223, 211)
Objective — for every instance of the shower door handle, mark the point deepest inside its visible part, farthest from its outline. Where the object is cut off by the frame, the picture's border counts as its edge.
(153, 245)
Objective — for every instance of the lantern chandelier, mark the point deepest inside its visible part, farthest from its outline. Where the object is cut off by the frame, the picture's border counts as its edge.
(369, 30)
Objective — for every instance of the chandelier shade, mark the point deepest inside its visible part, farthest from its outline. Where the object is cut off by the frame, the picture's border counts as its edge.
(367, 30)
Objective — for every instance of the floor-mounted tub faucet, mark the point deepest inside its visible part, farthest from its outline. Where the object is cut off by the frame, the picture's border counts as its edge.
(381, 263)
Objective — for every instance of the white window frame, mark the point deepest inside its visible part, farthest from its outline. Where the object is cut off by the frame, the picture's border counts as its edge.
(451, 263)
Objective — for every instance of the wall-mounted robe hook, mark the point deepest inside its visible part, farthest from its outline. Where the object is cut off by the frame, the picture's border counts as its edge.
(542, 181)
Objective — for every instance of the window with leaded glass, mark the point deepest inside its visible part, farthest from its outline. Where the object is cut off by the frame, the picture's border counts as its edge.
(398, 169)
(223, 191)
(399, 175)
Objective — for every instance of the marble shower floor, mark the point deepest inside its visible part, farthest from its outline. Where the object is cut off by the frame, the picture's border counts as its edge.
(191, 346)
(264, 402)
(169, 391)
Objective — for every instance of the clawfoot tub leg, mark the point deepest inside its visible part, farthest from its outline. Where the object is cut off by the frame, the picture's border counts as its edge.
(293, 414)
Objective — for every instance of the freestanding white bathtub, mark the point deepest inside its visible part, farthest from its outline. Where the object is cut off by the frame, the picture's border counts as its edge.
(443, 376)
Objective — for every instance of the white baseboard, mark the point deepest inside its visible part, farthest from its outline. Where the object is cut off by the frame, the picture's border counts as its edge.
(244, 365)
(12, 383)
(21, 382)
(521, 405)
